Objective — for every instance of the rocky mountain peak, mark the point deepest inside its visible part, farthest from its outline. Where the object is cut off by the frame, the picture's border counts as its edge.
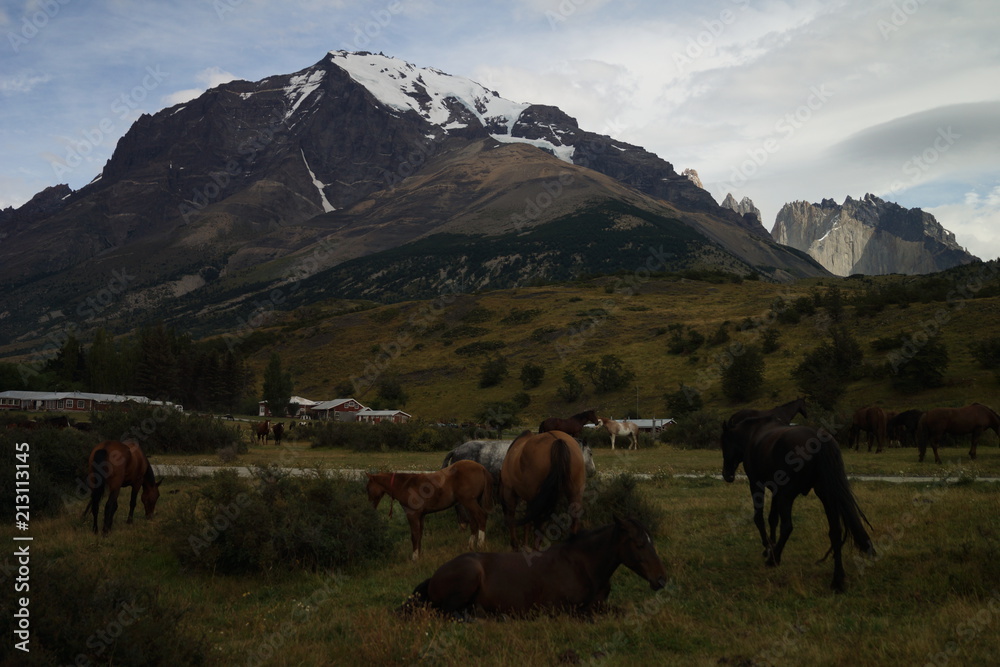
(744, 207)
(869, 236)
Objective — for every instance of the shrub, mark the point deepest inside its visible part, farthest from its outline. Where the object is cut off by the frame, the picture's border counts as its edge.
(521, 316)
(480, 347)
(411, 436)
(742, 379)
(531, 375)
(607, 375)
(698, 430)
(493, 371)
(825, 372)
(275, 522)
(58, 460)
(571, 388)
(163, 430)
(684, 401)
(96, 612)
(914, 368)
(621, 495)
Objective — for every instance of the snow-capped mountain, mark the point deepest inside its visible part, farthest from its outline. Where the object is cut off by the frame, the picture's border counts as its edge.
(358, 154)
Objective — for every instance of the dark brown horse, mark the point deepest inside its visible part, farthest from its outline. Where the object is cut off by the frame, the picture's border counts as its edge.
(572, 425)
(278, 430)
(783, 413)
(116, 464)
(791, 461)
(539, 469)
(903, 427)
(463, 482)
(970, 420)
(570, 576)
(870, 419)
(261, 430)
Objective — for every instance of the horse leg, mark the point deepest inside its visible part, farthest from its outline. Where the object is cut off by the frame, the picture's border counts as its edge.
(934, 444)
(758, 519)
(784, 503)
(110, 508)
(477, 521)
(635, 441)
(612, 442)
(416, 521)
(131, 502)
(836, 541)
(972, 450)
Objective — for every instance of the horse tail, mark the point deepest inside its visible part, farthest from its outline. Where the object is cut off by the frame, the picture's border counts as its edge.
(543, 505)
(486, 496)
(449, 458)
(838, 489)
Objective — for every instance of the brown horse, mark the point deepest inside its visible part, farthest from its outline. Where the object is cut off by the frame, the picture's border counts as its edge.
(870, 419)
(464, 482)
(116, 464)
(570, 576)
(261, 430)
(571, 425)
(278, 430)
(539, 468)
(903, 427)
(970, 420)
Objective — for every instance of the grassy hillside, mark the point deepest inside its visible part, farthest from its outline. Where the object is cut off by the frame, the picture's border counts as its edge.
(436, 348)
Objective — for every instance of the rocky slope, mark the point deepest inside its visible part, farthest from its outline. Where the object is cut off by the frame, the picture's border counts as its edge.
(868, 236)
(219, 199)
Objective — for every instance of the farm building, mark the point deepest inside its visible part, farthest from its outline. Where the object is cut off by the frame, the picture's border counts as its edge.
(377, 416)
(339, 409)
(75, 401)
(305, 405)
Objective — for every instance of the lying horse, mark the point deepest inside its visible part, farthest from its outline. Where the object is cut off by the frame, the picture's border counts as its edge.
(570, 576)
(626, 428)
(571, 425)
(970, 420)
(464, 482)
(539, 469)
(791, 460)
(870, 419)
(113, 465)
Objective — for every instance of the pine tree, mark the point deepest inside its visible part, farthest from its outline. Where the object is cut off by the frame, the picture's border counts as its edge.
(277, 386)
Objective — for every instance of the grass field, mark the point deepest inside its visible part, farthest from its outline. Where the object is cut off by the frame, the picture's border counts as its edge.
(932, 595)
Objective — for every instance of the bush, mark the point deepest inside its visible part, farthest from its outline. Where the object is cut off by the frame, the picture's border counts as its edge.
(163, 430)
(571, 388)
(96, 612)
(493, 371)
(386, 436)
(58, 460)
(521, 316)
(531, 375)
(275, 522)
(742, 379)
(684, 401)
(698, 430)
(621, 495)
(607, 375)
(826, 371)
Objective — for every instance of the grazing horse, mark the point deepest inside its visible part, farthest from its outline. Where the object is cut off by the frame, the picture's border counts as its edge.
(261, 430)
(791, 460)
(464, 482)
(783, 413)
(971, 420)
(278, 430)
(114, 464)
(626, 428)
(903, 427)
(572, 576)
(491, 453)
(870, 419)
(540, 468)
(571, 425)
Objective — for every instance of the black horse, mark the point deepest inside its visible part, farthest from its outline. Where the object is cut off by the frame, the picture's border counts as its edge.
(570, 425)
(782, 413)
(791, 461)
(903, 427)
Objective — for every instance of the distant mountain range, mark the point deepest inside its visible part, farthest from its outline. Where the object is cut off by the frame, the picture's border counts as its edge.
(361, 176)
(869, 236)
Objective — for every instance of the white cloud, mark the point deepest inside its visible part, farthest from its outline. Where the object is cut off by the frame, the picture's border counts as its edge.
(210, 77)
(21, 83)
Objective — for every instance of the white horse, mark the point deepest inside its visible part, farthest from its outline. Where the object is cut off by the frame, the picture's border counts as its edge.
(621, 428)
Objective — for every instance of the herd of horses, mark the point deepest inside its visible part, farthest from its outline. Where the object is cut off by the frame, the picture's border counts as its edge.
(919, 428)
(541, 469)
(261, 430)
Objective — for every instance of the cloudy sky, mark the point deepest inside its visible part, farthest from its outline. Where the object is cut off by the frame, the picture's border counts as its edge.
(775, 100)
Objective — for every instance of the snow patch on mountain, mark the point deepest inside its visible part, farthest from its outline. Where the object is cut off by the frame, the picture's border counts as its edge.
(327, 206)
(432, 93)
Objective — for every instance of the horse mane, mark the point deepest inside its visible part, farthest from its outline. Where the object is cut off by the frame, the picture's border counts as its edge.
(148, 477)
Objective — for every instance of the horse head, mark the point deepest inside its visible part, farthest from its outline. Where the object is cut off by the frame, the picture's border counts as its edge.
(588, 460)
(638, 552)
(375, 490)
